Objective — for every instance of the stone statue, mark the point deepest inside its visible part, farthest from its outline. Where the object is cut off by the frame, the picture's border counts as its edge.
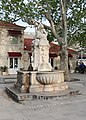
(40, 32)
(41, 49)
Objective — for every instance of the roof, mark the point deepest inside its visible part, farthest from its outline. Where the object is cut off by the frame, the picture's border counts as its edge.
(71, 50)
(53, 51)
(27, 44)
(12, 25)
(54, 48)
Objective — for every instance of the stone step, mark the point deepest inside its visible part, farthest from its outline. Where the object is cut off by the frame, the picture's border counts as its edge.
(15, 95)
(8, 79)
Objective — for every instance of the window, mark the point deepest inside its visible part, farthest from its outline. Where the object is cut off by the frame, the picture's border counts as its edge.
(51, 62)
(11, 62)
(14, 40)
(14, 63)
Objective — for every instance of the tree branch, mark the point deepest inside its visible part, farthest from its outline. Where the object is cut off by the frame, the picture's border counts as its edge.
(47, 27)
(49, 18)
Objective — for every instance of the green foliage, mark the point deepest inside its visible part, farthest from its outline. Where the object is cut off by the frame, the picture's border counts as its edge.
(3, 68)
(50, 36)
(76, 22)
(13, 10)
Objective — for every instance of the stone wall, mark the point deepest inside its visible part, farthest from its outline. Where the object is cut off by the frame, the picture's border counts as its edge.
(72, 61)
(6, 46)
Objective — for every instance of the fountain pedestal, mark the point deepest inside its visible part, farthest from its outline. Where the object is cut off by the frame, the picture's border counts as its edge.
(34, 81)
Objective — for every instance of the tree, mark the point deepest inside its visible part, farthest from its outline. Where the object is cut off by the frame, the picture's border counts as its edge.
(56, 12)
(76, 22)
(63, 45)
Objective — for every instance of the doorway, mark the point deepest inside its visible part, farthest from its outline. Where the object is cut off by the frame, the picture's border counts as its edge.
(13, 65)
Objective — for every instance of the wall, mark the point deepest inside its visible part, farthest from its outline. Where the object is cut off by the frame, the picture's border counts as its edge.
(6, 46)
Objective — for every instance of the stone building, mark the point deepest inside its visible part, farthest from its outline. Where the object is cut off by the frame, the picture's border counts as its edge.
(54, 57)
(11, 46)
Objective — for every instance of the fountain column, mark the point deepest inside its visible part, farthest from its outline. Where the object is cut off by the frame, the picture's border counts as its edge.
(41, 50)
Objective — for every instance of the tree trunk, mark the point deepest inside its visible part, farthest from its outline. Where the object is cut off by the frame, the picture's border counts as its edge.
(63, 46)
(64, 60)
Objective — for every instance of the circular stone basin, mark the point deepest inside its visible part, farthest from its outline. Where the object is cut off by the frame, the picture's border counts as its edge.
(47, 78)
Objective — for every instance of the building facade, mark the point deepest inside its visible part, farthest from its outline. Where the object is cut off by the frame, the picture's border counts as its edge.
(11, 46)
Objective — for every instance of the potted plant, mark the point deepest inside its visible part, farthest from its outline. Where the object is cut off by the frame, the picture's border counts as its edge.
(4, 70)
(1, 70)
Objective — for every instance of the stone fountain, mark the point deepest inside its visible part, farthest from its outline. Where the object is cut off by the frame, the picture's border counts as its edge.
(43, 78)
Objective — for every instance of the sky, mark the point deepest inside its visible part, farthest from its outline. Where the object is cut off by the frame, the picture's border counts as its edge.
(28, 28)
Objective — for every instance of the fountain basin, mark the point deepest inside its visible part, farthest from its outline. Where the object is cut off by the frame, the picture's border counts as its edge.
(40, 81)
(51, 77)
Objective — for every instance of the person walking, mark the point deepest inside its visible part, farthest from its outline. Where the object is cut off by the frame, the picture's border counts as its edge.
(82, 67)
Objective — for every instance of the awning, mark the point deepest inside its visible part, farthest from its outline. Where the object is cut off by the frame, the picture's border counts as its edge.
(56, 55)
(52, 55)
(30, 54)
(14, 54)
(70, 55)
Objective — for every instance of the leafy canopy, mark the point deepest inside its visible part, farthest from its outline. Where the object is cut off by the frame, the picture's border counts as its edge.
(26, 10)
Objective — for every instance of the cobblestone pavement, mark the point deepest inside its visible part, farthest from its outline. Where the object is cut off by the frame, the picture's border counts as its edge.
(61, 108)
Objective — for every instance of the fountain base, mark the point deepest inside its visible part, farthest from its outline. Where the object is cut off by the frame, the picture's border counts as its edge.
(34, 82)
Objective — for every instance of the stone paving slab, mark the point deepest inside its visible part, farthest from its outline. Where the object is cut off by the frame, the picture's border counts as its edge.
(7, 79)
(61, 108)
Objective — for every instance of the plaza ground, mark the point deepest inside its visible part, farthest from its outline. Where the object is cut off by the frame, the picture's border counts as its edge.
(66, 107)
